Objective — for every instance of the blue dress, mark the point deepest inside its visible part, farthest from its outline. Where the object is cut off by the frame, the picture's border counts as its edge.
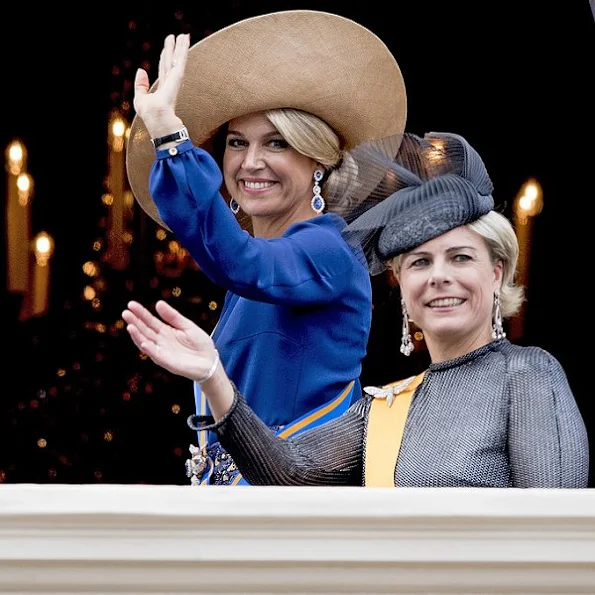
(296, 319)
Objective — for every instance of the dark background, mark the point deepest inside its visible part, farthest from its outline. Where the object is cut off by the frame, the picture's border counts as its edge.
(77, 403)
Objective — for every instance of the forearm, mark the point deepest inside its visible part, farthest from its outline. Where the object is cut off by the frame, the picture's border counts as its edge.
(330, 454)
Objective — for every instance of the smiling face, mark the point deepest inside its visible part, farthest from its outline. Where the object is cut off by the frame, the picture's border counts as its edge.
(270, 180)
(448, 285)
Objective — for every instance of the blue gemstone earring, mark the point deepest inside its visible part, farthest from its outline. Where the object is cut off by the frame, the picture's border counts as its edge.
(234, 206)
(317, 201)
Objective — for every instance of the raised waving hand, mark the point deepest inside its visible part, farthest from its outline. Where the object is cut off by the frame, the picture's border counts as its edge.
(157, 108)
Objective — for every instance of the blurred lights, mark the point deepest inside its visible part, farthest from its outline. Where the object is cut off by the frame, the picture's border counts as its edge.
(43, 247)
(41, 443)
(528, 202)
(91, 269)
(15, 157)
(128, 199)
(24, 188)
(118, 133)
(89, 293)
(118, 127)
(175, 247)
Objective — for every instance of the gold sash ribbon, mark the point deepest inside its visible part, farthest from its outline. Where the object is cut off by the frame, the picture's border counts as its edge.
(386, 424)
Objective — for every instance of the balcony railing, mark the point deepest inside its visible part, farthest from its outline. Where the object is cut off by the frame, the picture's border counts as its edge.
(180, 539)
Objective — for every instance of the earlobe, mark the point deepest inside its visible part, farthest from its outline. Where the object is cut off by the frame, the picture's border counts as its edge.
(498, 274)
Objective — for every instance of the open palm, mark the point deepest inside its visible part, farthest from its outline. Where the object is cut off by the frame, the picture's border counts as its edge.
(173, 341)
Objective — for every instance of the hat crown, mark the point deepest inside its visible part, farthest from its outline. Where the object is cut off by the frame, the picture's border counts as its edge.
(446, 185)
(452, 154)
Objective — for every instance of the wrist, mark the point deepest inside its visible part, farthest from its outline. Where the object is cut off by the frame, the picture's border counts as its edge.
(219, 391)
(168, 140)
(162, 126)
(211, 371)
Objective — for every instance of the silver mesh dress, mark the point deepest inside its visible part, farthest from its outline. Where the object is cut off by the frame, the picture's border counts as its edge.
(500, 416)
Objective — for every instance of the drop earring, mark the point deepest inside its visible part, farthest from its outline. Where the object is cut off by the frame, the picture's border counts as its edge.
(406, 342)
(317, 203)
(497, 327)
(234, 206)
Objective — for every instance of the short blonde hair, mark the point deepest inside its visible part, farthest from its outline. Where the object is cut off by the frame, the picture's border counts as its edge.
(501, 241)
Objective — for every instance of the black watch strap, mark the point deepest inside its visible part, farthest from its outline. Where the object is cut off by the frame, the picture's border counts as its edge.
(168, 138)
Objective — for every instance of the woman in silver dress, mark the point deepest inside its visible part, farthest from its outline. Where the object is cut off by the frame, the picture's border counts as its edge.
(485, 413)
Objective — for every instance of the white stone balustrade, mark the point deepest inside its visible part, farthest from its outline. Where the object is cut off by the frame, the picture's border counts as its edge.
(100, 539)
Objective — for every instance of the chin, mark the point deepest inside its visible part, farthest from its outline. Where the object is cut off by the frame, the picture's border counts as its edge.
(444, 332)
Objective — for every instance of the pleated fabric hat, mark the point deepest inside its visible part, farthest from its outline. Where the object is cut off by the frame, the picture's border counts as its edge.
(309, 60)
(440, 183)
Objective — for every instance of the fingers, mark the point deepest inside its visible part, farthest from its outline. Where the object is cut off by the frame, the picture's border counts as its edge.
(172, 317)
(148, 347)
(140, 333)
(141, 82)
(143, 320)
(137, 337)
(180, 52)
(165, 57)
(173, 54)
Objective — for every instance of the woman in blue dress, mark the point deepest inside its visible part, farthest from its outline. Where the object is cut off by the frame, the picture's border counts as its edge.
(290, 96)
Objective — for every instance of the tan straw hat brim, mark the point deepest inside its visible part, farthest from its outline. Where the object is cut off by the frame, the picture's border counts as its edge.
(318, 62)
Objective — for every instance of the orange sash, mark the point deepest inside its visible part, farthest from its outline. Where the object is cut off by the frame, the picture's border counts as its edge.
(386, 424)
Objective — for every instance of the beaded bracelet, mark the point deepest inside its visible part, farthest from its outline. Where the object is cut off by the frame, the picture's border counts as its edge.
(211, 371)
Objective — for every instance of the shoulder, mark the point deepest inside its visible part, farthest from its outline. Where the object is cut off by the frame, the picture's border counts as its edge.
(533, 368)
(328, 224)
(528, 357)
(322, 236)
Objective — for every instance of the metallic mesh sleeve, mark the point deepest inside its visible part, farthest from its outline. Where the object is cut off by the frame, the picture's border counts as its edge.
(547, 438)
(330, 454)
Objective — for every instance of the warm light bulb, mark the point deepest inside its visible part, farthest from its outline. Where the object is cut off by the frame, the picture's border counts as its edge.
(15, 157)
(24, 188)
(529, 201)
(118, 127)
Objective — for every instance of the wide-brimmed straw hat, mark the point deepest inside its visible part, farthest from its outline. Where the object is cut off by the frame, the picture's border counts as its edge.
(314, 61)
(440, 182)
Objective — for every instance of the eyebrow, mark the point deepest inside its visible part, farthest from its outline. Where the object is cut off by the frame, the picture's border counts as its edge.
(448, 250)
(266, 136)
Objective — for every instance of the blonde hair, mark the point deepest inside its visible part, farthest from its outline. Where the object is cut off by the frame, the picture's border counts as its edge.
(307, 134)
(314, 138)
(501, 241)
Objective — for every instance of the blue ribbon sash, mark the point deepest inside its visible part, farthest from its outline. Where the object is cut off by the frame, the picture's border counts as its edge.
(312, 419)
